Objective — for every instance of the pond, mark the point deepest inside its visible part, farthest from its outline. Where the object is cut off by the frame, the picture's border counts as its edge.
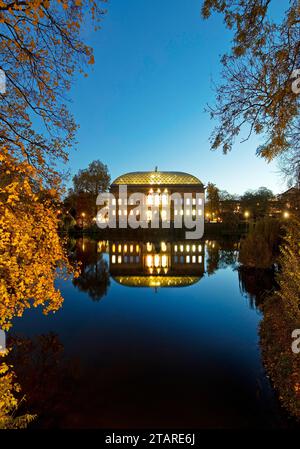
(160, 334)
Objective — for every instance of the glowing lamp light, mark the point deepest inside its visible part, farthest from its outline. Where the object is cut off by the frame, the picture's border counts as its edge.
(286, 214)
(247, 214)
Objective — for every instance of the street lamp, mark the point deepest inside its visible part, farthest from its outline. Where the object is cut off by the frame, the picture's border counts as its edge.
(82, 219)
(286, 214)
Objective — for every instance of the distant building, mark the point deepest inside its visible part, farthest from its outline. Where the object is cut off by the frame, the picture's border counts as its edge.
(158, 187)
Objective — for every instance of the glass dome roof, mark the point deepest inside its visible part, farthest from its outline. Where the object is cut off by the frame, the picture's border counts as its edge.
(157, 178)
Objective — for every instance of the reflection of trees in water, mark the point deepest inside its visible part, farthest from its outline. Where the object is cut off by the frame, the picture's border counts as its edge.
(221, 255)
(47, 379)
(94, 277)
(256, 284)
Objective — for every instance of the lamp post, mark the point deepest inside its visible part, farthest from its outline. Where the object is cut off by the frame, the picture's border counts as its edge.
(82, 219)
(247, 215)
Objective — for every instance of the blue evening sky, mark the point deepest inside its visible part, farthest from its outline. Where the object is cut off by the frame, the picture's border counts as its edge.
(143, 102)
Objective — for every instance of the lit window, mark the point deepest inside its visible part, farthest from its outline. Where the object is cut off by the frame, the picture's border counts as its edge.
(120, 201)
(113, 259)
(199, 212)
(149, 261)
(163, 214)
(187, 259)
(150, 200)
(114, 212)
(181, 248)
(194, 248)
(199, 248)
(163, 246)
(156, 260)
(137, 248)
(113, 201)
(175, 248)
(164, 261)
(131, 248)
(119, 259)
(188, 201)
(194, 201)
(200, 259)
(120, 212)
(125, 248)
(193, 259)
(131, 212)
(114, 248)
(194, 212)
(187, 248)
(175, 212)
(120, 248)
(149, 247)
(199, 201)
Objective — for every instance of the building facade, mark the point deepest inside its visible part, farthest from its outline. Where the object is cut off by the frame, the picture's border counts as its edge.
(168, 197)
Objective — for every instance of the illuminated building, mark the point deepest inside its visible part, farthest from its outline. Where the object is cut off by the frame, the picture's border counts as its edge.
(167, 195)
(156, 264)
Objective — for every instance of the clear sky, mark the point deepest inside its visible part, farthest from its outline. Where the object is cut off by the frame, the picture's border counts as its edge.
(143, 103)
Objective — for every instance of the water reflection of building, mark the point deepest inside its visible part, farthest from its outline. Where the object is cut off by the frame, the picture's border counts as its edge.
(158, 187)
(156, 264)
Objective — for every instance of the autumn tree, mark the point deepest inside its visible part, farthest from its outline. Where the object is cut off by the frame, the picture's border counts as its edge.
(212, 205)
(259, 94)
(87, 184)
(41, 49)
(256, 95)
(257, 202)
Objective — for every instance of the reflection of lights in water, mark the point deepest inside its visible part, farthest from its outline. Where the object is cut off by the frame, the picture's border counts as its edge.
(149, 261)
(164, 261)
(163, 246)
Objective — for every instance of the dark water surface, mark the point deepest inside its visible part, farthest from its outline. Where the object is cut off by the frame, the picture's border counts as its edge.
(170, 341)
